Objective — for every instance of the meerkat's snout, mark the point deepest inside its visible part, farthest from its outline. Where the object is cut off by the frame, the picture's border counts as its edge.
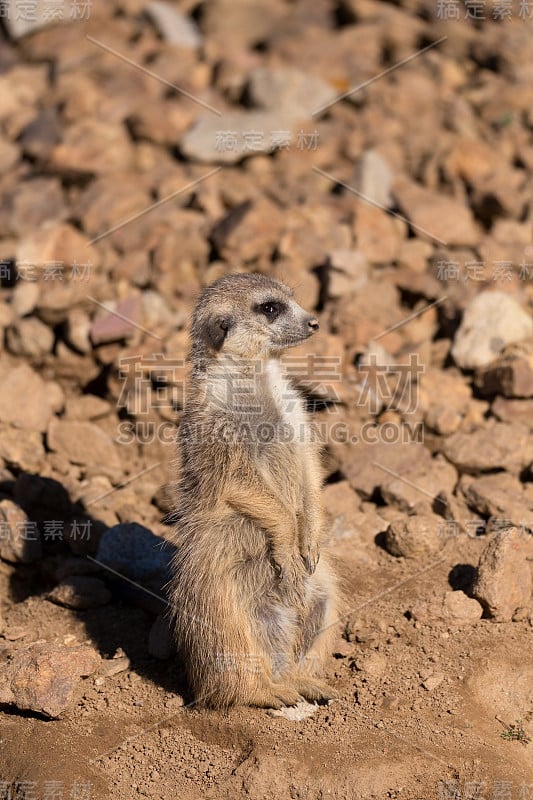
(313, 324)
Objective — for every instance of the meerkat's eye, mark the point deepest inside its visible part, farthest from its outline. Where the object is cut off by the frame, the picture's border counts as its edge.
(271, 309)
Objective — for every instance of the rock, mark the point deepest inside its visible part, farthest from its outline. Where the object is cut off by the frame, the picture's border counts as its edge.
(160, 640)
(86, 407)
(453, 608)
(415, 537)
(374, 178)
(436, 216)
(78, 326)
(302, 710)
(174, 27)
(503, 582)
(20, 23)
(498, 446)
(520, 411)
(80, 591)
(491, 321)
(236, 135)
(114, 666)
(83, 443)
(30, 337)
(21, 452)
(46, 678)
(348, 271)
(135, 551)
(23, 399)
(419, 484)
(119, 322)
(248, 231)
(432, 681)
(499, 495)
(93, 146)
(373, 664)
(444, 398)
(378, 235)
(35, 202)
(25, 297)
(368, 466)
(9, 155)
(20, 540)
(510, 375)
(289, 91)
(41, 135)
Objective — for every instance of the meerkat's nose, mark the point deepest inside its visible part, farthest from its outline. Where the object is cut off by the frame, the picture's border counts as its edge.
(313, 324)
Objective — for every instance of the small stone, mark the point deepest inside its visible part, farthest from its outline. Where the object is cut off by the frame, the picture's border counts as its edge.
(160, 640)
(498, 446)
(93, 146)
(520, 411)
(348, 271)
(432, 681)
(113, 666)
(374, 664)
(374, 178)
(415, 537)
(491, 321)
(202, 140)
(83, 443)
(21, 452)
(35, 202)
(9, 155)
(436, 216)
(23, 399)
(46, 678)
(510, 375)
(444, 399)
(25, 297)
(119, 322)
(80, 591)
(289, 90)
(20, 541)
(503, 582)
(173, 26)
(302, 710)
(20, 24)
(378, 235)
(86, 407)
(30, 337)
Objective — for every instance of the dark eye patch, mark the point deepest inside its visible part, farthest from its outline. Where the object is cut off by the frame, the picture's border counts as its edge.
(270, 309)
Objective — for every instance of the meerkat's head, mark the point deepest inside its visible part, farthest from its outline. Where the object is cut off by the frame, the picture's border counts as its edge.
(248, 316)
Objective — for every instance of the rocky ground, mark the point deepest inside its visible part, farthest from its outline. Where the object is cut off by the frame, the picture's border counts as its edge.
(378, 158)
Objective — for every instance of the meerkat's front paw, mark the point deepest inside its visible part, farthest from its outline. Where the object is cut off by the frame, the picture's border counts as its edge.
(311, 557)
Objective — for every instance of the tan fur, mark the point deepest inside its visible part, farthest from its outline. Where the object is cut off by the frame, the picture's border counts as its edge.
(253, 606)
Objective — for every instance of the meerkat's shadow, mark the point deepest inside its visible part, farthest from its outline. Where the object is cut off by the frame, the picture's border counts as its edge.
(43, 557)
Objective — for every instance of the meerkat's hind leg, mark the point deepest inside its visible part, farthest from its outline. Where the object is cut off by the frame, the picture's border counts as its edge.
(275, 695)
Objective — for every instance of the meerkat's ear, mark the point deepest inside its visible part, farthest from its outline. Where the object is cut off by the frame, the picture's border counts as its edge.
(217, 329)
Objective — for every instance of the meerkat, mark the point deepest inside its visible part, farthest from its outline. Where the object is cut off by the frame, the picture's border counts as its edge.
(253, 596)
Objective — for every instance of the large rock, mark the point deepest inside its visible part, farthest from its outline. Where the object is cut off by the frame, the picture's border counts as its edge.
(492, 447)
(419, 484)
(503, 582)
(83, 443)
(415, 537)
(23, 452)
(491, 321)
(45, 678)
(454, 609)
(500, 496)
